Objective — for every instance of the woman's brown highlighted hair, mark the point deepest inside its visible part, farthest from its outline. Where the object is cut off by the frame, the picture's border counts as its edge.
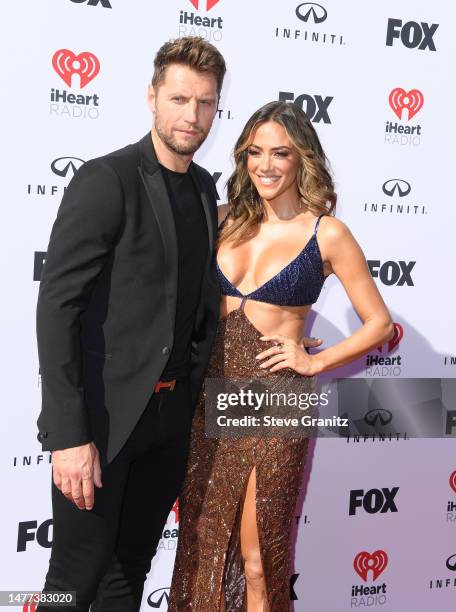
(313, 182)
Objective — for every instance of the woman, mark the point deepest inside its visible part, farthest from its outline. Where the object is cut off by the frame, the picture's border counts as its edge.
(239, 495)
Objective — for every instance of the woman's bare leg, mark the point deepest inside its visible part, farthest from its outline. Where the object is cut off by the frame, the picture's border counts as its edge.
(250, 550)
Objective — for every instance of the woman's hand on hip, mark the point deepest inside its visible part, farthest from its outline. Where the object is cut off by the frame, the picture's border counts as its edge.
(286, 353)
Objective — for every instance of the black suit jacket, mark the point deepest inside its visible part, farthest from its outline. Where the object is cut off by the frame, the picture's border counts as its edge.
(107, 299)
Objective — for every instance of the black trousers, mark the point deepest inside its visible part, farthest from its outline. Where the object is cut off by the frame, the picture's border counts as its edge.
(104, 554)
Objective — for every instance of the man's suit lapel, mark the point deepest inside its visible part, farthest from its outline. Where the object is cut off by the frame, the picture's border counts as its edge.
(207, 209)
(157, 193)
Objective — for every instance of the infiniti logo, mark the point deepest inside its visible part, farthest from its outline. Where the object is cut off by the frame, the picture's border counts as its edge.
(313, 15)
(451, 563)
(159, 597)
(307, 9)
(62, 165)
(378, 414)
(392, 185)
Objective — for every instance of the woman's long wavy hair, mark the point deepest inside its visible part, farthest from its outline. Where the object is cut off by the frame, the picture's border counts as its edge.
(313, 181)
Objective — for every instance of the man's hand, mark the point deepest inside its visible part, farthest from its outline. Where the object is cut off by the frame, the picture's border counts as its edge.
(76, 471)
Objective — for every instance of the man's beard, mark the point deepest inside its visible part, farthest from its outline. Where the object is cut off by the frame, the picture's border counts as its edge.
(173, 145)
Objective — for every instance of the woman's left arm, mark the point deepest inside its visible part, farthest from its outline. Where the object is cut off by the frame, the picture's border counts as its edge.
(347, 261)
(349, 265)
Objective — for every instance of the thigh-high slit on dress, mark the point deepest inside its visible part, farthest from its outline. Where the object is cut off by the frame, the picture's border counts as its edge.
(208, 572)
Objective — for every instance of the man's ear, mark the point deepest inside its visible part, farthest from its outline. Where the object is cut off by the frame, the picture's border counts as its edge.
(151, 97)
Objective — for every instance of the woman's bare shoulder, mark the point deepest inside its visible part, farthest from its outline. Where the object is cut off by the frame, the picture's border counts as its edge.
(336, 242)
(333, 229)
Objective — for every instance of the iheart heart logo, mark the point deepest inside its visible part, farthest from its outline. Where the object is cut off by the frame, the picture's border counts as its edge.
(209, 4)
(29, 607)
(397, 337)
(376, 562)
(453, 481)
(400, 99)
(175, 509)
(66, 63)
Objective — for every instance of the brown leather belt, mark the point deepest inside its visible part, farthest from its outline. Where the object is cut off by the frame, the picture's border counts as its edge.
(165, 384)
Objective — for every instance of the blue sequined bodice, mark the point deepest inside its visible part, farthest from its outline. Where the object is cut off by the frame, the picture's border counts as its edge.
(298, 284)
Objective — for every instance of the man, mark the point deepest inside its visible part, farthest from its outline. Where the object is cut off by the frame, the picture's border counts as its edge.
(127, 312)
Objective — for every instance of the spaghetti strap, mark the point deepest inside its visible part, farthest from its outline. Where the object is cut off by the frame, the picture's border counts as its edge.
(318, 222)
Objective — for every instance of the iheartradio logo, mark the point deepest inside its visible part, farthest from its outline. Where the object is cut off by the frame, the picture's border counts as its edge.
(453, 481)
(391, 344)
(376, 562)
(412, 100)
(66, 64)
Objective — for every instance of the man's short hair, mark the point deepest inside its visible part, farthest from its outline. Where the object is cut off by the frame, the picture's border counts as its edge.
(191, 51)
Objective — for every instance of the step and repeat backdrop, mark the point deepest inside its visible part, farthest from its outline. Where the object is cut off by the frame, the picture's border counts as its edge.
(376, 522)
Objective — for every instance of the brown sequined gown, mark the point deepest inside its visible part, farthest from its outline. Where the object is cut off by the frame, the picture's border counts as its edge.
(208, 572)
